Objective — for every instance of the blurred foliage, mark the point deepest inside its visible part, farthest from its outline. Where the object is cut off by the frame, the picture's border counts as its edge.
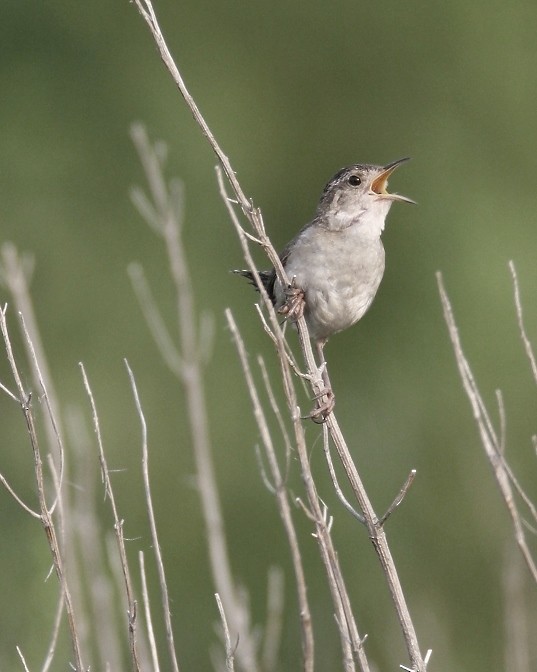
(293, 91)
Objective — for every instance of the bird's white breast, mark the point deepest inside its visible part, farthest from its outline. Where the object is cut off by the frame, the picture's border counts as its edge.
(339, 272)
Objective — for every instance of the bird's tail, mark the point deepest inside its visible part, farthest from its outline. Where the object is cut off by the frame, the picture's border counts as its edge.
(266, 277)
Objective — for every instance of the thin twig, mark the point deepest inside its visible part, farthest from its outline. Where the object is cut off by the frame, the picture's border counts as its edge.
(8, 392)
(230, 651)
(19, 501)
(274, 618)
(350, 639)
(15, 273)
(148, 619)
(503, 422)
(168, 209)
(118, 529)
(87, 532)
(281, 499)
(277, 413)
(153, 525)
(399, 498)
(518, 624)
(154, 319)
(520, 317)
(488, 436)
(73, 575)
(54, 436)
(253, 215)
(376, 532)
(335, 482)
(22, 659)
(45, 513)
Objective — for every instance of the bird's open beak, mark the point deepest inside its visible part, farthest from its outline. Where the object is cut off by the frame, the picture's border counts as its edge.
(379, 184)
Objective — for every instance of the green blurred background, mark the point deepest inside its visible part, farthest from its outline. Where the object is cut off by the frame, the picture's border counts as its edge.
(293, 91)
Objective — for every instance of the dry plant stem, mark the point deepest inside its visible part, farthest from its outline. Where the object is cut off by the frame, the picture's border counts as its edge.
(153, 527)
(282, 500)
(230, 665)
(101, 603)
(66, 545)
(520, 317)
(148, 13)
(23, 661)
(15, 274)
(517, 617)
(167, 209)
(374, 526)
(376, 532)
(350, 639)
(54, 636)
(399, 497)
(333, 476)
(274, 619)
(154, 320)
(253, 215)
(118, 529)
(148, 619)
(44, 511)
(489, 439)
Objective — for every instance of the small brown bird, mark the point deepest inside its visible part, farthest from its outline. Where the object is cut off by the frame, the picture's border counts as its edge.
(336, 262)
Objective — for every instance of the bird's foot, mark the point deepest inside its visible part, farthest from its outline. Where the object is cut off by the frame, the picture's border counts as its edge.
(325, 402)
(293, 308)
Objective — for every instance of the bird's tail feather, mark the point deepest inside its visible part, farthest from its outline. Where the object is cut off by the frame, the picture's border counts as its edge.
(266, 277)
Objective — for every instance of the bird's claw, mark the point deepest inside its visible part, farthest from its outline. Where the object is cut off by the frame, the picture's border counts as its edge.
(319, 414)
(293, 308)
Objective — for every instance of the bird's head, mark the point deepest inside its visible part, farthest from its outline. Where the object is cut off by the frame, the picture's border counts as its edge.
(357, 191)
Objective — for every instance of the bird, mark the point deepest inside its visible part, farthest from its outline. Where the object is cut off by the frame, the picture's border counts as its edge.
(336, 262)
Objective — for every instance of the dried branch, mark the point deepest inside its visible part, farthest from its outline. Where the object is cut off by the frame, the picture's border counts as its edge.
(15, 271)
(489, 439)
(335, 482)
(148, 619)
(153, 527)
(520, 317)
(230, 651)
(282, 500)
(154, 320)
(118, 529)
(23, 661)
(274, 619)
(45, 513)
(400, 496)
(166, 206)
(254, 217)
(517, 629)
(89, 537)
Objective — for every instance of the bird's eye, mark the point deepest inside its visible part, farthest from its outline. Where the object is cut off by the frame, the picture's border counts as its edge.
(354, 180)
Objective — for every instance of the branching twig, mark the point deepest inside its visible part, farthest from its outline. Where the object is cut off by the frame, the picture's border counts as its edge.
(489, 439)
(520, 317)
(282, 500)
(153, 527)
(45, 514)
(400, 496)
(186, 362)
(230, 651)
(335, 482)
(118, 529)
(274, 618)
(147, 611)
(253, 215)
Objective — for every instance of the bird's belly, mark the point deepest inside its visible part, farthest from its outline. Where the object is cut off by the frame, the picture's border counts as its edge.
(339, 288)
(329, 310)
